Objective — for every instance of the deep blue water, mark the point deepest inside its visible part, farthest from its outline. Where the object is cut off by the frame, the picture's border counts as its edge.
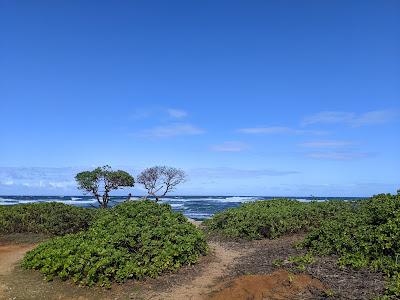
(195, 207)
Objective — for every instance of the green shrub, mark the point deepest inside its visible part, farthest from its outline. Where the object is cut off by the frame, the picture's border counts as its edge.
(49, 218)
(132, 240)
(273, 218)
(367, 236)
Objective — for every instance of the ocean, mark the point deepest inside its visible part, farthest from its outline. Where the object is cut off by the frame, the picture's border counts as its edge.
(195, 207)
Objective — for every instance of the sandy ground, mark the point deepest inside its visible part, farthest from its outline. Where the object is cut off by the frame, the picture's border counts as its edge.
(201, 286)
(10, 255)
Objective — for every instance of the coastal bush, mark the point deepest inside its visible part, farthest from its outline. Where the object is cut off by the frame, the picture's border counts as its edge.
(48, 218)
(132, 240)
(367, 236)
(273, 218)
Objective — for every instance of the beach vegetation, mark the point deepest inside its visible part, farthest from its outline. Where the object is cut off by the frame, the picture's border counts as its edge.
(361, 233)
(134, 239)
(48, 218)
(365, 237)
(101, 181)
(300, 262)
(273, 218)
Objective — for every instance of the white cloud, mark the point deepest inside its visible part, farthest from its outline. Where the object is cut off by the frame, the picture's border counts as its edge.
(339, 155)
(231, 146)
(62, 184)
(350, 189)
(145, 113)
(278, 130)
(375, 117)
(41, 180)
(38, 177)
(351, 118)
(7, 182)
(176, 113)
(179, 129)
(224, 172)
(326, 144)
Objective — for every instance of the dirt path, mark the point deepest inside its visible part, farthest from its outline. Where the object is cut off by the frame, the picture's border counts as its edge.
(9, 257)
(202, 285)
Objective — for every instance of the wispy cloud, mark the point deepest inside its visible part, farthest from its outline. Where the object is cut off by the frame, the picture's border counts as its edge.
(231, 146)
(330, 189)
(278, 130)
(351, 118)
(45, 180)
(145, 113)
(172, 130)
(7, 182)
(326, 144)
(176, 113)
(375, 117)
(339, 155)
(223, 172)
(38, 177)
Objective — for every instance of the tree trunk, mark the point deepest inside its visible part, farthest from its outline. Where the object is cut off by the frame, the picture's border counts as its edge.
(105, 200)
(98, 200)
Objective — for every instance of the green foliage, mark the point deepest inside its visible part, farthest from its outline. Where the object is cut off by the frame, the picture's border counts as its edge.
(273, 218)
(131, 240)
(278, 262)
(367, 236)
(104, 179)
(48, 218)
(301, 261)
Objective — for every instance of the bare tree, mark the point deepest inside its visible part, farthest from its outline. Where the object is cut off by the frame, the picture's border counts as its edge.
(160, 180)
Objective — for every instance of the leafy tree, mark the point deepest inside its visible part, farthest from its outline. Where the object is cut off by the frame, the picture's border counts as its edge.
(160, 180)
(101, 181)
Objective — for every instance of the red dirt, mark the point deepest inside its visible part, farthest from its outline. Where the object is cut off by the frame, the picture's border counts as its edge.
(277, 285)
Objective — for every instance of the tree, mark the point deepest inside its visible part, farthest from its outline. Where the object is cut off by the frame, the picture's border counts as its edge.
(160, 180)
(103, 180)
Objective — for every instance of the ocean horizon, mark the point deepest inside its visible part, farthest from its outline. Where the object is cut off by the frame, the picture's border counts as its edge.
(194, 207)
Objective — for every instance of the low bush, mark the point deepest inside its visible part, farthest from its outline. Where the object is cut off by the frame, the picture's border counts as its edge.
(273, 218)
(48, 218)
(367, 236)
(132, 240)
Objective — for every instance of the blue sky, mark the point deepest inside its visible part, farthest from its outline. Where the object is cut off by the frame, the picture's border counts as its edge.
(248, 97)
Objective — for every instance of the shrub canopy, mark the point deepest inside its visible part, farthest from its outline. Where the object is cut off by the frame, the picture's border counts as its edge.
(362, 233)
(368, 236)
(48, 218)
(132, 240)
(273, 218)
